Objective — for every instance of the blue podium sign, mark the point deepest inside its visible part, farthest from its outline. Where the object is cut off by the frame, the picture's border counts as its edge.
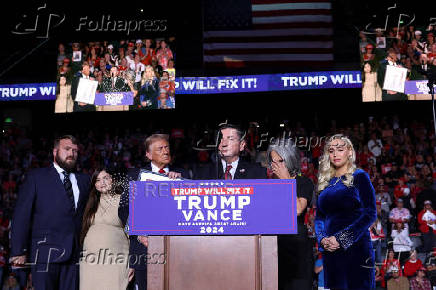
(213, 207)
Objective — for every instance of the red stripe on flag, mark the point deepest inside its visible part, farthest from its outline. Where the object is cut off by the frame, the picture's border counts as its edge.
(291, 12)
(267, 51)
(320, 64)
(287, 1)
(239, 39)
(293, 25)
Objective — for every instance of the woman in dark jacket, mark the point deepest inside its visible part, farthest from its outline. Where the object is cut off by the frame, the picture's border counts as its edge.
(295, 256)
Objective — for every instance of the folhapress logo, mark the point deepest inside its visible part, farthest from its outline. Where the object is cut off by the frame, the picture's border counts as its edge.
(43, 20)
(40, 23)
(106, 23)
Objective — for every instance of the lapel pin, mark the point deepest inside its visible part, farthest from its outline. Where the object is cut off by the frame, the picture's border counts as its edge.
(242, 170)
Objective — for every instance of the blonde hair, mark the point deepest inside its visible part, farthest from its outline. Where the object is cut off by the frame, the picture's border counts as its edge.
(327, 171)
(145, 78)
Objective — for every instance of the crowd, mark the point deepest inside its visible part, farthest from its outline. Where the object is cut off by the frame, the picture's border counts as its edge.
(398, 155)
(143, 66)
(410, 47)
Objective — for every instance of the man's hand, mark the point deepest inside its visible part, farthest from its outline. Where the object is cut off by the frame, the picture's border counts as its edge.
(131, 274)
(143, 240)
(18, 260)
(174, 175)
(82, 104)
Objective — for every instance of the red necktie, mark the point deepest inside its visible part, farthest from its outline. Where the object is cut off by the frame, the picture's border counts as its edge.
(227, 174)
(162, 171)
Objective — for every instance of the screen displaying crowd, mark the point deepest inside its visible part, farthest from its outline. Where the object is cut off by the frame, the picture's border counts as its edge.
(119, 75)
(399, 155)
(411, 47)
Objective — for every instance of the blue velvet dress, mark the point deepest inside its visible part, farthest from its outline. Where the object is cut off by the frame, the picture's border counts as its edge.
(347, 213)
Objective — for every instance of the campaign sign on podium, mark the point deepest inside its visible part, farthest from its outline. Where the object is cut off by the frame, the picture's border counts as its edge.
(213, 207)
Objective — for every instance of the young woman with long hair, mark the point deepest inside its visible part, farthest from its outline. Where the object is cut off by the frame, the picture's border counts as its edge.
(346, 209)
(105, 245)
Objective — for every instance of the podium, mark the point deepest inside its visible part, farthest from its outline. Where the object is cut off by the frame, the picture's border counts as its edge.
(213, 263)
(184, 220)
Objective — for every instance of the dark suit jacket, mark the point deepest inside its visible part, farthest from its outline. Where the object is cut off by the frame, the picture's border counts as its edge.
(120, 85)
(138, 250)
(45, 225)
(245, 170)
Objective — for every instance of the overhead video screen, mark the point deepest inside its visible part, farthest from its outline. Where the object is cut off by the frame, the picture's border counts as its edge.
(116, 75)
(397, 61)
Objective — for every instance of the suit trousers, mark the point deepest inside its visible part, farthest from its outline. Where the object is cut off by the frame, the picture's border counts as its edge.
(56, 276)
(85, 108)
(141, 279)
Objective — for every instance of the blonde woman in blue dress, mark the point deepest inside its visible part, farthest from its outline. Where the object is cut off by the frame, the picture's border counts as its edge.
(346, 209)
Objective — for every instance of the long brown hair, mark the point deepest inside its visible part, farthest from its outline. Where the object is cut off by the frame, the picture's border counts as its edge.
(94, 201)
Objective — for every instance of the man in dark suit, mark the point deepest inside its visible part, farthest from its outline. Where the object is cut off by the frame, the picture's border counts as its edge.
(391, 59)
(114, 83)
(85, 73)
(158, 152)
(230, 166)
(47, 219)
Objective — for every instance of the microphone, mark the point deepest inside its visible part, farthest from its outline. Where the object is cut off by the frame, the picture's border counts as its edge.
(218, 155)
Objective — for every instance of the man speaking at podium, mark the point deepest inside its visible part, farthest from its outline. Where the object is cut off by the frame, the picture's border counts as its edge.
(229, 165)
(158, 152)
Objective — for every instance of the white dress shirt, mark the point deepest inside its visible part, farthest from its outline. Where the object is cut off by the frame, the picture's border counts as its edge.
(73, 179)
(234, 166)
(156, 169)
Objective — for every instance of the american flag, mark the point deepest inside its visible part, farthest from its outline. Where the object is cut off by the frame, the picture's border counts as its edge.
(246, 33)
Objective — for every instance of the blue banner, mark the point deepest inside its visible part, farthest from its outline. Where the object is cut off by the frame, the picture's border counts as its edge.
(269, 82)
(213, 207)
(20, 92)
(206, 85)
(417, 87)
